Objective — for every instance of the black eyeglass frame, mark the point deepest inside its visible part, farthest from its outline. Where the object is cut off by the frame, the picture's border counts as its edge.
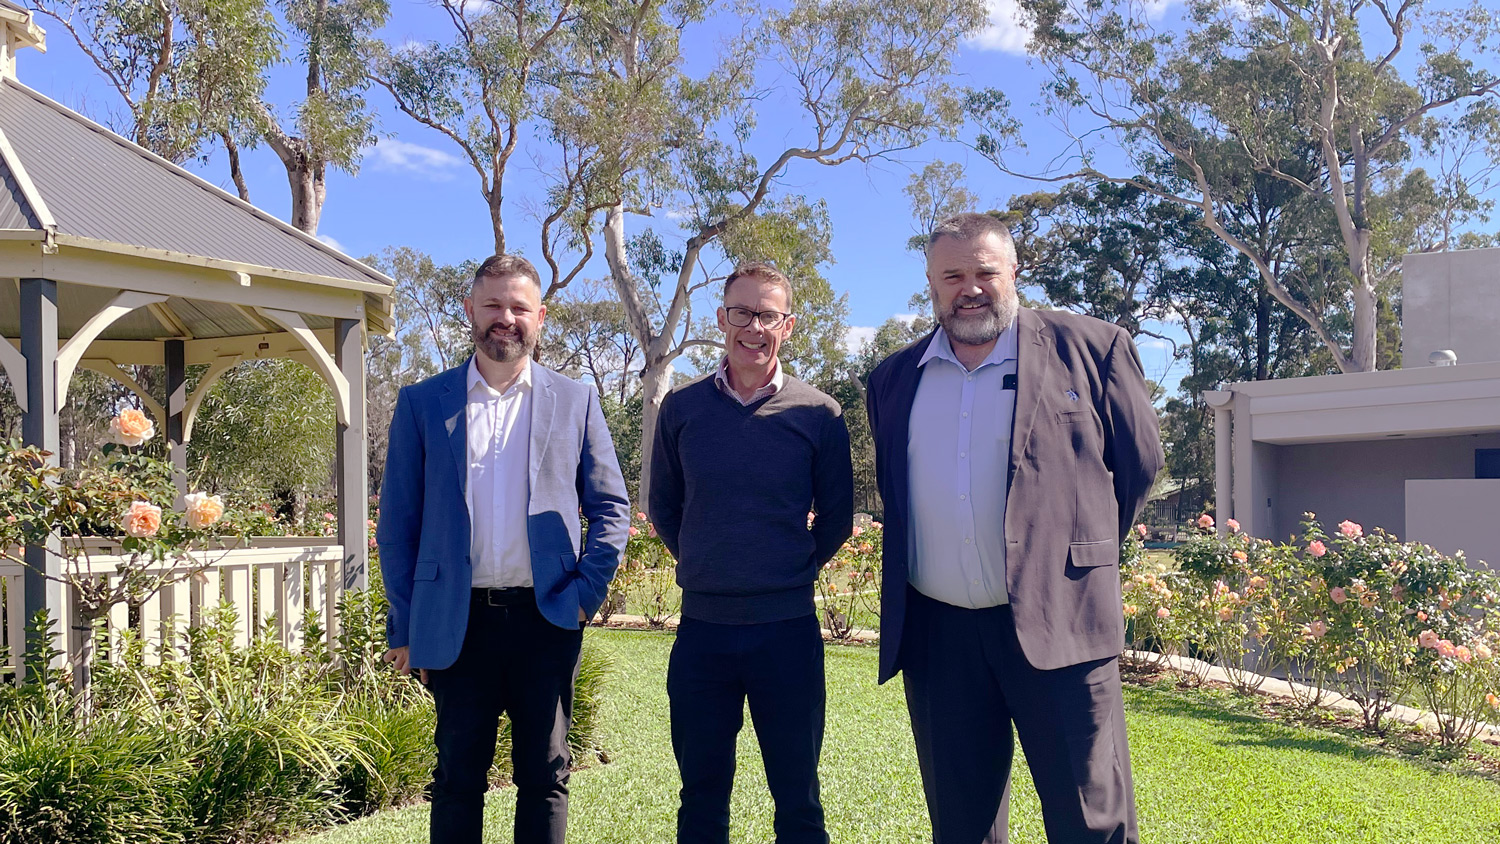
(755, 316)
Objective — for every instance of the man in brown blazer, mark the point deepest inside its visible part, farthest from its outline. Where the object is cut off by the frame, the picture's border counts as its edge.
(1014, 449)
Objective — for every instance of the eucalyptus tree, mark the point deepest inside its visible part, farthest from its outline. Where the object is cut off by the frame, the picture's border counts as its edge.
(1347, 91)
(183, 68)
(865, 79)
(486, 89)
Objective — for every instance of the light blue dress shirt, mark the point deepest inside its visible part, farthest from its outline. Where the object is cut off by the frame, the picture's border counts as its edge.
(958, 454)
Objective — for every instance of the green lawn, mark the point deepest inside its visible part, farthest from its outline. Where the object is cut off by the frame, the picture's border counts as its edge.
(1203, 774)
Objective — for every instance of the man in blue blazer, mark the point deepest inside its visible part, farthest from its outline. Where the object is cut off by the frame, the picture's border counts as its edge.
(488, 572)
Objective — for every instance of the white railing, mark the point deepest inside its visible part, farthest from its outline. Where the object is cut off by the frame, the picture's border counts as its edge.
(278, 586)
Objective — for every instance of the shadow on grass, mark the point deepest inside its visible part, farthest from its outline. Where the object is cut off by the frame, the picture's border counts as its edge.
(1250, 728)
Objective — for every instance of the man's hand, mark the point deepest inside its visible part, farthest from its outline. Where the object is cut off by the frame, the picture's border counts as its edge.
(401, 658)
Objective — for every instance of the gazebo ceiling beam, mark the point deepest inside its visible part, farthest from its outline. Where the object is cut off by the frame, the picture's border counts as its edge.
(187, 281)
(15, 369)
(72, 352)
(111, 369)
(322, 360)
(206, 350)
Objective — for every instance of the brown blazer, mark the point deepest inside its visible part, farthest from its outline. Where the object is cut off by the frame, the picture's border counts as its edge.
(1080, 470)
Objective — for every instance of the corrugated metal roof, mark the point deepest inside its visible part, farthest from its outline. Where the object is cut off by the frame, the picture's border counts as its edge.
(99, 185)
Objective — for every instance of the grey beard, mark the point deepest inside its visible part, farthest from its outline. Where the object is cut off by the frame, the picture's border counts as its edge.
(981, 328)
(504, 349)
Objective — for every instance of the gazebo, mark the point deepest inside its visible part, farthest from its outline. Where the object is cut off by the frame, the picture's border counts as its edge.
(111, 256)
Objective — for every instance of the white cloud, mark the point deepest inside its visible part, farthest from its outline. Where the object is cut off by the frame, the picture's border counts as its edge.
(396, 155)
(857, 337)
(1157, 9)
(1005, 32)
(1154, 344)
(328, 239)
(906, 318)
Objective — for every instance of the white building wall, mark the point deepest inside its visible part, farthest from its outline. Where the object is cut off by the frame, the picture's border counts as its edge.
(1365, 482)
(1450, 300)
(1456, 515)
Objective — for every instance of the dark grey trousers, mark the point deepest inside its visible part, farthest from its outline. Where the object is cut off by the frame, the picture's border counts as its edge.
(967, 682)
(513, 661)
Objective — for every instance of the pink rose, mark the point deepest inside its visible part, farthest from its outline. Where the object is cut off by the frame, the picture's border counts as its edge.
(876, 525)
(328, 517)
(369, 523)
(202, 509)
(1205, 522)
(1163, 612)
(1234, 526)
(1318, 628)
(131, 428)
(858, 530)
(1317, 548)
(1338, 595)
(1225, 613)
(1482, 651)
(1421, 615)
(141, 520)
(635, 531)
(1463, 653)
(1427, 639)
(1140, 530)
(372, 542)
(1350, 529)
(641, 516)
(1446, 648)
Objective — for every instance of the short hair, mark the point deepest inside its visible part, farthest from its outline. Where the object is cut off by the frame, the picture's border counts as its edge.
(500, 266)
(766, 272)
(969, 226)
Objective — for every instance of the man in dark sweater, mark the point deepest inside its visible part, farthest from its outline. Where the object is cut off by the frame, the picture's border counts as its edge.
(740, 458)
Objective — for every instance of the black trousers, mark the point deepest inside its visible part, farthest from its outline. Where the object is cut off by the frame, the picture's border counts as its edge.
(513, 661)
(967, 681)
(778, 668)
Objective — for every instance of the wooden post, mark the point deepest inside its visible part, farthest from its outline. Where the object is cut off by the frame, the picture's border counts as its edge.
(39, 427)
(174, 355)
(353, 459)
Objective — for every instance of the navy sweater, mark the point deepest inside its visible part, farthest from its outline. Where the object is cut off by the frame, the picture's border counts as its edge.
(731, 487)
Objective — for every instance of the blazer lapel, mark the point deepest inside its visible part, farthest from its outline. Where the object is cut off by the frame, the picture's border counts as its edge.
(455, 400)
(903, 394)
(543, 407)
(1032, 356)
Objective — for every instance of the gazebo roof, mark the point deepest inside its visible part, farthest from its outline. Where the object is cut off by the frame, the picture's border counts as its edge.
(51, 162)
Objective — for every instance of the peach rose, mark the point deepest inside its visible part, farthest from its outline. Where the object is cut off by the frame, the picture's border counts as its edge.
(1427, 639)
(1234, 526)
(1225, 613)
(1205, 521)
(1317, 548)
(1240, 556)
(1482, 651)
(202, 509)
(1163, 612)
(131, 427)
(1130, 610)
(1318, 628)
(1493, 700)
(1446, 648)
(858, 530)
(1369, 598)
(141, 520)
(1463, 653)
(1350, 529)
(1338, 594)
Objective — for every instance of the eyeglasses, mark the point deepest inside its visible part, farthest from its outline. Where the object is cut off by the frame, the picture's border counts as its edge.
(742, 317)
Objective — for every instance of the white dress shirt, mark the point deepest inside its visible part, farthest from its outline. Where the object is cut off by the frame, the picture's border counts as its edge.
(721, 378)
(499, 487)
(958, 454)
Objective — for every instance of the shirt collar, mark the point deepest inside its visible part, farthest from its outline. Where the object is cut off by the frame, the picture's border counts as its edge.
(721, 378)
(475, 379)
(941, 347)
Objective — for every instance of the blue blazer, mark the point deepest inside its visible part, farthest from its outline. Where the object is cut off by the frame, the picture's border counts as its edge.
(424, 530)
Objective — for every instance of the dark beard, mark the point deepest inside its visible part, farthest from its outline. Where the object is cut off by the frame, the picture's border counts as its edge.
(982, 327)
(504, 347)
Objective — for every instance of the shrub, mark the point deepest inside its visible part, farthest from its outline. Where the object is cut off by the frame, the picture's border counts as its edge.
(848, 585)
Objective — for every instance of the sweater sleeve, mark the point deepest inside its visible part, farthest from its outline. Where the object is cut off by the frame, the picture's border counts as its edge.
(833, 490)
(665, 504)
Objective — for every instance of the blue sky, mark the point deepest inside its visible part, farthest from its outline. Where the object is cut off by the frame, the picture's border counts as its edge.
(414, 190)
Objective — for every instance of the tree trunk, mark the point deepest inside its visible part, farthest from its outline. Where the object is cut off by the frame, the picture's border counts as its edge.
(656, 382)
(307, 195)
(493, 199)
(233, 149)
(83, 661)
(1262, 333)
(1362, 351)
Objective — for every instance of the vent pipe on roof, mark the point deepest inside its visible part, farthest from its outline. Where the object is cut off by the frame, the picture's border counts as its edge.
(1442, 357)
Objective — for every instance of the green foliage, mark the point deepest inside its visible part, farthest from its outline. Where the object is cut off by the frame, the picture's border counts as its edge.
(266, 427)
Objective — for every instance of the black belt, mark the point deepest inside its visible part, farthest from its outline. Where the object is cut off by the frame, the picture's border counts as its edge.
(509, 596)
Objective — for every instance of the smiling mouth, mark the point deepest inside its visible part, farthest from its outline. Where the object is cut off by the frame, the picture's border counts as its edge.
(754, 347)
